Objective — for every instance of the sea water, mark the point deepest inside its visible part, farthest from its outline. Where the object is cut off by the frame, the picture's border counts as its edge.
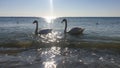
(97, 47)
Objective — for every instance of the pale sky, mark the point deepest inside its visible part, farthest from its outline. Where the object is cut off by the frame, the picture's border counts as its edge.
(60, 8)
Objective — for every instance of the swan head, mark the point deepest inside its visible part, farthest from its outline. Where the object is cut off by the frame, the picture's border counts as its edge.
(35, 21)
(64, 20)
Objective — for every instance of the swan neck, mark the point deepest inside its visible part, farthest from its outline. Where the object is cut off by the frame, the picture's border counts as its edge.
(65, 31)
(36, 30)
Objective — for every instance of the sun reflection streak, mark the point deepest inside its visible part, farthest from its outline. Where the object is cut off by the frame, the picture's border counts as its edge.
(50, 18)
(49, 57)
(50, 38)
(51, 7)
(49, 64)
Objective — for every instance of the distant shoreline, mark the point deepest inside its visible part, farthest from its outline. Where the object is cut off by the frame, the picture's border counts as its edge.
(57, 17)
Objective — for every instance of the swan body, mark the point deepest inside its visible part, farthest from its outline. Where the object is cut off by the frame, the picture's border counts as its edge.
(73, 31)
(43, 31)
(76, 31)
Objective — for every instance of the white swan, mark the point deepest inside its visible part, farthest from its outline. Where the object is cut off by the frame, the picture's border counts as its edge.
(43, 31)
(73, 31)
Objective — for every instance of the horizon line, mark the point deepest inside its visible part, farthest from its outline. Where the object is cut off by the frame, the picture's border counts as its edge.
(59, 16)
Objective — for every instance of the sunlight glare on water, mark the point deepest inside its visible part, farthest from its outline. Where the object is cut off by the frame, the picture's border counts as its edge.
(50, 64)
(49, 38)
(49, 19)
(50, 55)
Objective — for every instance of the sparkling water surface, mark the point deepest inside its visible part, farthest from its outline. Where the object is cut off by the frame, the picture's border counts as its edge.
(98, 47)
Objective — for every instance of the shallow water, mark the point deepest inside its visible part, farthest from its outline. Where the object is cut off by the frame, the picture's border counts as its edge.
(98, 47)
(57, 57)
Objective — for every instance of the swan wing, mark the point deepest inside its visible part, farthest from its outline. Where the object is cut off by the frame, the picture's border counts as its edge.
(45, 31)
(76, 31)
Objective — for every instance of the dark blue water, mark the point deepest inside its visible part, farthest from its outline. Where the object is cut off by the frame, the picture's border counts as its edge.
(98, 47)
